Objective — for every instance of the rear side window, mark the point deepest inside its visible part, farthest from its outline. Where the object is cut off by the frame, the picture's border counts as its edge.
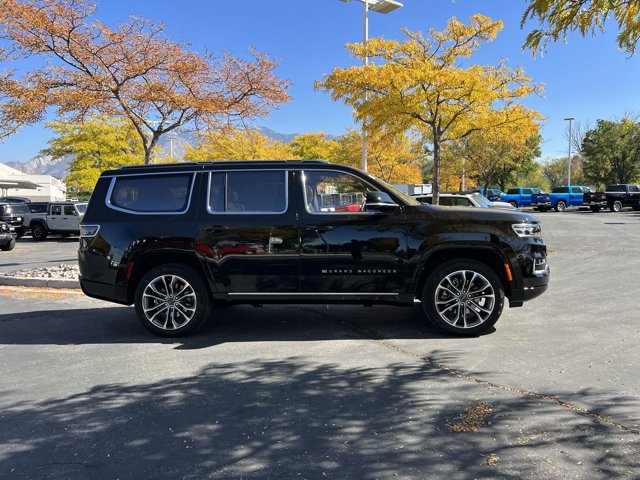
(248, 192)
(513, 191)
(561, 190)
(616, 188)
(159, 193)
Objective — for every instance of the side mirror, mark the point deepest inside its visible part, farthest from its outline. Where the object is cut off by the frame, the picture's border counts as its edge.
(381, 202)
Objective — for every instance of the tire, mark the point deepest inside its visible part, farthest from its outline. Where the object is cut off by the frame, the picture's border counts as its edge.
(8, 246)
(189, 309)
(595, 209)
(616, 206)
(39, 232)
(560, 206)
(442, 303)
(514, 204)
(636, 207)
(20, 232)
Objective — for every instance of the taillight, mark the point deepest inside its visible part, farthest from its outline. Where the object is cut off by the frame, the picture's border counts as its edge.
(5, 218)
(89, 231)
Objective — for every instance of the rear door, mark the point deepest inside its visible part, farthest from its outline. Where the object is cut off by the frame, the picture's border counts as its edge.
(249, 229)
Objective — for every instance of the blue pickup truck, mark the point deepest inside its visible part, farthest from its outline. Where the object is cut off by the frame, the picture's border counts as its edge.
(568, 196)
(527, 197)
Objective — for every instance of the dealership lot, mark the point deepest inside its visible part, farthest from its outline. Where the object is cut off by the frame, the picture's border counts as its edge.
(341, 392)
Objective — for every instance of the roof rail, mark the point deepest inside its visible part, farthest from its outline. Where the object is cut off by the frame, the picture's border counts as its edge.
(224, 162)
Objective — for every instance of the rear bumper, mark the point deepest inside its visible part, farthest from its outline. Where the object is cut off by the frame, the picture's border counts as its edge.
(104, 291)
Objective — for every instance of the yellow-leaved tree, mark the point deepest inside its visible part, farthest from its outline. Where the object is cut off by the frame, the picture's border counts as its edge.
(238, 144)
(562, 17)
(419, 84)
(96, 144)
(390, 155)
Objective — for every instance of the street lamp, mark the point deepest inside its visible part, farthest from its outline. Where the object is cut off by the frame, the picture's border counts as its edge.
(380, 6)
(569, 170)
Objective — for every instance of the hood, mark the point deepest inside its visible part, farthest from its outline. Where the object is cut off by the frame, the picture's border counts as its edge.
(473, 214)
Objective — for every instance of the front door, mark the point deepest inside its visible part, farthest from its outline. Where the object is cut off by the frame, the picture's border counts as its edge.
(346, 250)
(250, 234)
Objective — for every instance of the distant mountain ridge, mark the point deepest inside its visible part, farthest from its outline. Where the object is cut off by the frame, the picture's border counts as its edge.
(43, 165)
(172, 142)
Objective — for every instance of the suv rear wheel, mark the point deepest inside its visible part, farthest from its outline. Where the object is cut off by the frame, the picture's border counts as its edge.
(463, 296)
(172, 300)
(617, 206)
(39, 232)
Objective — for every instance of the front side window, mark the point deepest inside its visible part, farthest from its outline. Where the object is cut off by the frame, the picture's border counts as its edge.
(634, 188)
(248, 192)
(159, 193)
(334, 192)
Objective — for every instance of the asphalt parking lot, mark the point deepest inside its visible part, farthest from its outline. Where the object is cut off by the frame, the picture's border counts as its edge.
(339, 392)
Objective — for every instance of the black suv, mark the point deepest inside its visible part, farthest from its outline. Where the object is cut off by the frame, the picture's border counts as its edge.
(178, 239)
(13, 214)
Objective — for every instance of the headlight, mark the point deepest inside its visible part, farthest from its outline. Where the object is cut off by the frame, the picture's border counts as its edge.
(526, 229)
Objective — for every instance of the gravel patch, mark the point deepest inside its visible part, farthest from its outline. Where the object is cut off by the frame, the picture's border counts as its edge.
(61, 271)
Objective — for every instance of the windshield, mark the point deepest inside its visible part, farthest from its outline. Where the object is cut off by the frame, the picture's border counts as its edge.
(82, 207)
(407, 198)
(481, 200)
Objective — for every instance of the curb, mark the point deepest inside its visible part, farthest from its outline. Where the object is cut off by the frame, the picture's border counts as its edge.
(39, 282)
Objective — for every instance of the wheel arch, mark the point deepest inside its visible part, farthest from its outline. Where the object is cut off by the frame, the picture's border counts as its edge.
(148, 261)
(486, 254)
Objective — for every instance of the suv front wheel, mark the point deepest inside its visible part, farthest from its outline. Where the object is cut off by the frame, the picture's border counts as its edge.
(172, 300)
(463, 296)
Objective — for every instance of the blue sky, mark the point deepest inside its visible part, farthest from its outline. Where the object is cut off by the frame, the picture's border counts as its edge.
(585, 78)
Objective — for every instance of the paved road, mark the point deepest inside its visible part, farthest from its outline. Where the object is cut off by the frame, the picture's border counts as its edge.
(341, 392)
(31, 254)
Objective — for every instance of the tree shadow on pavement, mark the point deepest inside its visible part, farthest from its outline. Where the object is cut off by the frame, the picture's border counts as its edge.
(295, 418)
(238, 323)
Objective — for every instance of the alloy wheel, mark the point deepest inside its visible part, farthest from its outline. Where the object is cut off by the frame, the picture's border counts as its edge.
(169, 302)
(464, 299)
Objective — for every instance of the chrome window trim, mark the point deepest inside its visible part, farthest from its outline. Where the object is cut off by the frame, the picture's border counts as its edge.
(114, 178)
(304, 192)
(286, 191)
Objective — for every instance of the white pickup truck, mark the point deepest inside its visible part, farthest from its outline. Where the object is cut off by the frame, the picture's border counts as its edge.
(61, 218)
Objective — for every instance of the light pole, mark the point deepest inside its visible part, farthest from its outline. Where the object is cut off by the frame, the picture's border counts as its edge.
(380, 6)
(569, 170)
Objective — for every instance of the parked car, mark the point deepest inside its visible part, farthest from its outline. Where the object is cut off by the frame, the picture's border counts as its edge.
(493, 194)
(524, 197)
(463, 200)
(14, 214)
(568, 196)
(615, 197)
(7, 237)
(151, 237)
(62, 218)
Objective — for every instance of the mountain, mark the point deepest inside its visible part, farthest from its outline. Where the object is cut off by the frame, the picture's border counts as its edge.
(43, 165)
